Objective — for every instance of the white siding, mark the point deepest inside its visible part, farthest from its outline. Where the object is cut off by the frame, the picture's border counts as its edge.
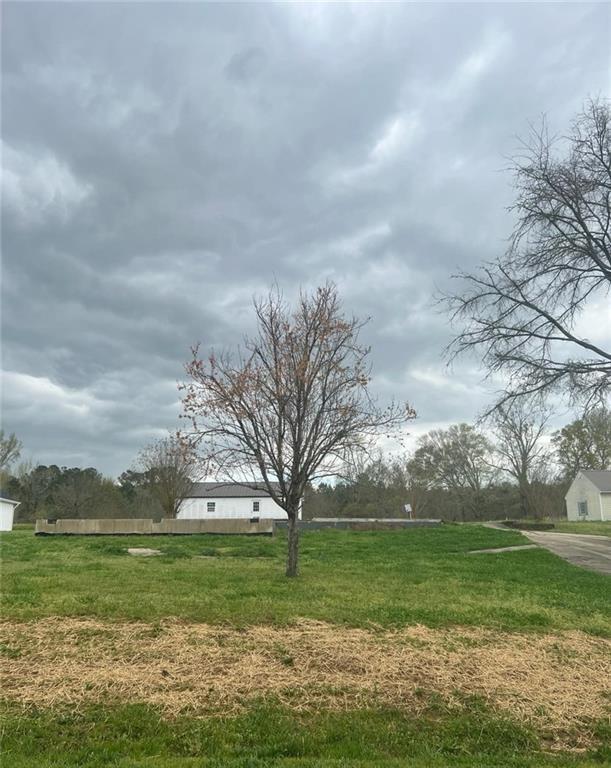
(605, 499)
(7, 509)
(582, 490)
(197, 509)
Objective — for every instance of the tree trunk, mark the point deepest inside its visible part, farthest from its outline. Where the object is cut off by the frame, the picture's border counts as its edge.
(524, 500)
(293, 545)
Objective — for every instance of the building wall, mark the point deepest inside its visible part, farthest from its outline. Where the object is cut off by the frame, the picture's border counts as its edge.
(583, 490)
(197, 509)
(6, 515)
(606, 502)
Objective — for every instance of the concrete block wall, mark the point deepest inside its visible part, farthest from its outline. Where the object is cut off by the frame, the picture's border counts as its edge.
(139, 526)
(358, 524)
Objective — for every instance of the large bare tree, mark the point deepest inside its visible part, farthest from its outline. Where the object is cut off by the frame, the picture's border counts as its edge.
(10, 450)
(168, 467)
(292, 406)
(521, 312)
(455, 458)
(520, 446)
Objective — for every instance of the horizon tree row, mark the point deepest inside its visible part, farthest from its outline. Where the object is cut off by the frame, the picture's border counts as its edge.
(518, 469)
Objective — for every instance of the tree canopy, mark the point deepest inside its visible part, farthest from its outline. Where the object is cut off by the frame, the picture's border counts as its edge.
(293, 405)
(521, 312)
(584, 443)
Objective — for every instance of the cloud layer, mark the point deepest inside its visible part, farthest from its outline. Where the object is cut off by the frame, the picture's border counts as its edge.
(162, 163)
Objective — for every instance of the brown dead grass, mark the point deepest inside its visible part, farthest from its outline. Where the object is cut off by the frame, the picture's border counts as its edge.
(558, 682)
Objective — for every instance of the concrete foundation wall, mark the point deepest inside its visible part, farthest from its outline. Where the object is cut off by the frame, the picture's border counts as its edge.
(239, 526)
(137, 526)
(358, 524)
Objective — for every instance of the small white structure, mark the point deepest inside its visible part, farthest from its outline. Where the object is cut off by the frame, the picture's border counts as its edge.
(7, 512)
(210, 501)
(589, 497)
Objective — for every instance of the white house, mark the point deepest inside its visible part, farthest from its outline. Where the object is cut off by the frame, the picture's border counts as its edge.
(7, 511)
(589, 497)
(210, 500)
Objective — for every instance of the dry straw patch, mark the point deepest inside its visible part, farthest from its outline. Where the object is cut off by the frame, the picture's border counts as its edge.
(557, 682)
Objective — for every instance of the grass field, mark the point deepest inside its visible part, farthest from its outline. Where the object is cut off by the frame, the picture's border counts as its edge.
(588, 527)
(390, 649)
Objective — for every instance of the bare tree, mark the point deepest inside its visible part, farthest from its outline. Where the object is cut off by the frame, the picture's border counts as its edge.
(77, 492)
(31, 486)
(415, 488)
(456, 459)
(453, 458)
(521, 311)
(168, 466)
(520, 448)
(10, 450)
(293, 406)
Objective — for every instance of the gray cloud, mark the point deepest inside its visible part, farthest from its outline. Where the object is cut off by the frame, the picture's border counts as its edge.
(162, 163)
(245, 65)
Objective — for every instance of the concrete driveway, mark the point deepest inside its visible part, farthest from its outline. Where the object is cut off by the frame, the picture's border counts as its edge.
(591, 552)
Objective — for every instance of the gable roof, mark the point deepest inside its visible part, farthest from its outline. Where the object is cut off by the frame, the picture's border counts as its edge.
(601, 478)
(216, 490)
(10, 501)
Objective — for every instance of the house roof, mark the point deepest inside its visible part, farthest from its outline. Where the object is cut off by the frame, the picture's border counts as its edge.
(10, 501)
(216, 490)
(601, 478)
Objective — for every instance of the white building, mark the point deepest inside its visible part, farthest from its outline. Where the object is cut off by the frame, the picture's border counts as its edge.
(208, 501)
(7, 511)
(589, 497)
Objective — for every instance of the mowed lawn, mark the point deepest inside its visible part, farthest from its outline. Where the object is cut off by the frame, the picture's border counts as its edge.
(588, 527)
(376, 583)
(423, 575)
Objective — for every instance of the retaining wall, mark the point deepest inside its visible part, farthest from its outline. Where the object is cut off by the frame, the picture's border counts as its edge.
(525, 526)
(139, 526)
(358, 524)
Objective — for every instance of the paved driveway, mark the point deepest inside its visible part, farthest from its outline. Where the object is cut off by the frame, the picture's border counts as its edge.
(591, 552)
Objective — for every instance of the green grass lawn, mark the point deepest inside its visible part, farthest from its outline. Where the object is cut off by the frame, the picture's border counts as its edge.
(389, 579)
(137, 736)
(602, 528)
(590, 527)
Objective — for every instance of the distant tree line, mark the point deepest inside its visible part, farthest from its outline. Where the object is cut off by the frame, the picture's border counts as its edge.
(384, 487)
(461, 474)
(153, 487)
(514, 468)
(73, 492)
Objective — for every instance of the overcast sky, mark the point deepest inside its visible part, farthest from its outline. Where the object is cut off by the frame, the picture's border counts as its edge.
(162, 163)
